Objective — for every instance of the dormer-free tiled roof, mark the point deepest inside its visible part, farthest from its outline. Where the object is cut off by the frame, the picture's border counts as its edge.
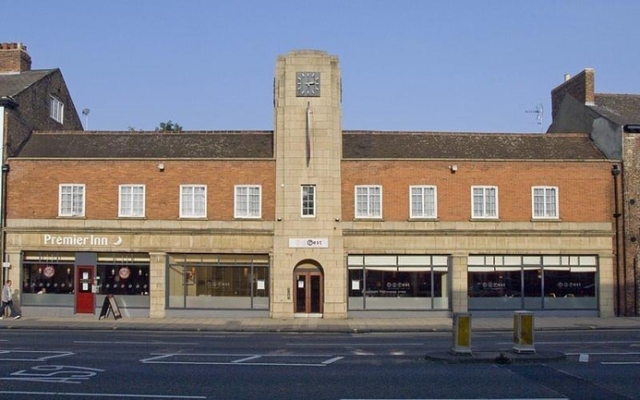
(150, 145)
(356, 145)
(479, 146)
(12, 84)
(620, 108)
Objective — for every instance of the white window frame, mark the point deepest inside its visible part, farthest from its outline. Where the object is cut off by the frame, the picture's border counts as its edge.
(247, 201)
(370, 196)
(547, 213)
(56, 109)
(308, 201)
(131, 201)
(71, 200)
(425, 195)
(485, 211)
(193, 201)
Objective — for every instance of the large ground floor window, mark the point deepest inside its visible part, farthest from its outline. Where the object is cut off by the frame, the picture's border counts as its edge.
(52, 274)
(552, 282)
(398, 282)
(218, 281)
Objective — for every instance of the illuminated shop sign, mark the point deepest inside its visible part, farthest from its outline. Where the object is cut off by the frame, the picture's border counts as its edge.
(80, 240)
(322, 243)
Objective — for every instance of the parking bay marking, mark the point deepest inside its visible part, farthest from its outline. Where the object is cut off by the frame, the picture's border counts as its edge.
(26, 355)
(239, 359)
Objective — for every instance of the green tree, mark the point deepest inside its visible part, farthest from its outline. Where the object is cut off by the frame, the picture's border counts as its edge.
(169, 126)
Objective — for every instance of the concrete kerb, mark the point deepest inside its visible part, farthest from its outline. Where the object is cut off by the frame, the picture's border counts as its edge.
(495, 357)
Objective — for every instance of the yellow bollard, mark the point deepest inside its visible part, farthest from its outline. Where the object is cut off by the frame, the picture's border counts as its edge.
(461, 333)
(523, 332)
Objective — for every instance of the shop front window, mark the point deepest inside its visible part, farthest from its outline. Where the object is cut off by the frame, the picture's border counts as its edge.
(231, 282)
(397, 287)
(532, 282)
(49, 278)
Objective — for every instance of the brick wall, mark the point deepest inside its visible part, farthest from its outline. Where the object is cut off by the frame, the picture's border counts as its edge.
(33, 186)
(585, 189)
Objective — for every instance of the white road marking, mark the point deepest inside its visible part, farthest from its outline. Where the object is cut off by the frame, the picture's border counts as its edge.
(134, 343)
(584, 358)
(116, 395)
(246, 359)
(210, 359)
(4, 355)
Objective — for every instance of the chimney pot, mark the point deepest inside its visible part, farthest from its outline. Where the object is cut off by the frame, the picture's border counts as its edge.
(567, 77)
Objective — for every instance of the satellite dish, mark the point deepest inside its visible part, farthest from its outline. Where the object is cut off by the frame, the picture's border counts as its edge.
(86, 111)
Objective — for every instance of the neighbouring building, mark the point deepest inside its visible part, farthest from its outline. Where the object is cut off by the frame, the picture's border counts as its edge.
(613, 122)
(29, 100)
(310, 220)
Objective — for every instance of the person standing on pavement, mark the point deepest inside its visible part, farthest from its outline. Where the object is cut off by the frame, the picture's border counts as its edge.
(7, 300)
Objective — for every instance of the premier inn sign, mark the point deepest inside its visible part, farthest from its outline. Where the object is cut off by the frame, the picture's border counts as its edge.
(80, 240)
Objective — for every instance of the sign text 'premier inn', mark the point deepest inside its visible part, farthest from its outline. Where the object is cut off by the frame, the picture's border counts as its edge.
(79, 240)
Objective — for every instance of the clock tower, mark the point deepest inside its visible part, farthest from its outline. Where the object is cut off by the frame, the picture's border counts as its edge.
(309, 273)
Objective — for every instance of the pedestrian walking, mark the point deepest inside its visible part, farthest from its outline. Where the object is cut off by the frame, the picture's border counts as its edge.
(7, 300)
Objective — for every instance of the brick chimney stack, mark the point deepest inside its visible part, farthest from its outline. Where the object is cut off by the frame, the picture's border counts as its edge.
(580, 87)
(14, 58)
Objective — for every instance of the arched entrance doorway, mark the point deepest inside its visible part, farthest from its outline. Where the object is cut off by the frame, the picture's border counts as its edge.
(309, 290)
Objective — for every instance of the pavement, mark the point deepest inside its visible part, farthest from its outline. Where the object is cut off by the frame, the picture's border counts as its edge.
(309, 325)
(352, 326)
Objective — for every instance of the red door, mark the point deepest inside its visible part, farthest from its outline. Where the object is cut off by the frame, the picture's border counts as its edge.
(85, 298)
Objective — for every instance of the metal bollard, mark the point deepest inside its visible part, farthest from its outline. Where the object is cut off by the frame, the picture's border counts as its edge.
(523, 332)
(461, 333)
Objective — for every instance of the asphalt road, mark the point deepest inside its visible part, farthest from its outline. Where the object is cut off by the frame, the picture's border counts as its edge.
(603, 364)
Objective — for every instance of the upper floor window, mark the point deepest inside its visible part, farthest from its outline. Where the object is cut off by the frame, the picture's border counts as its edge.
(368, 201)
(56, 109)
(71, 202)
(131, 201)
(484, 201)
(544, 201)
(193, 201)
(308, 193)
(423, 202)
(248, 202)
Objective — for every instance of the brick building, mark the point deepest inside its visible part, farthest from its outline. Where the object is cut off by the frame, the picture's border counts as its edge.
(613, 122)
(29, 100)
(309, 220)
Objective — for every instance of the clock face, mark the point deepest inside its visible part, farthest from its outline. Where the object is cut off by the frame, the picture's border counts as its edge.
(308, 84)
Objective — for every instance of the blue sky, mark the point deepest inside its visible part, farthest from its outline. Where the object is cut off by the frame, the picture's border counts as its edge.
(463, 66)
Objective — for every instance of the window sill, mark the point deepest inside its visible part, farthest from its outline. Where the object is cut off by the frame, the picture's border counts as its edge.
(369, 219)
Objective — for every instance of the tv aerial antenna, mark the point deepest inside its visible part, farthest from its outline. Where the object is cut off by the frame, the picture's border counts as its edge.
(86, 112)
(539, 111)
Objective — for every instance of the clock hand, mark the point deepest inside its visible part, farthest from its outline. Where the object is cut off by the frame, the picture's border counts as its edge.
(310, 83)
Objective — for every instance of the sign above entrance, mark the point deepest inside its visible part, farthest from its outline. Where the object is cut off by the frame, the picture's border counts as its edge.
(79, 240)
(318, 243)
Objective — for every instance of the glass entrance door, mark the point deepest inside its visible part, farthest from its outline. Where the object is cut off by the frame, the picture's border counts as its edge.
(308, 293)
